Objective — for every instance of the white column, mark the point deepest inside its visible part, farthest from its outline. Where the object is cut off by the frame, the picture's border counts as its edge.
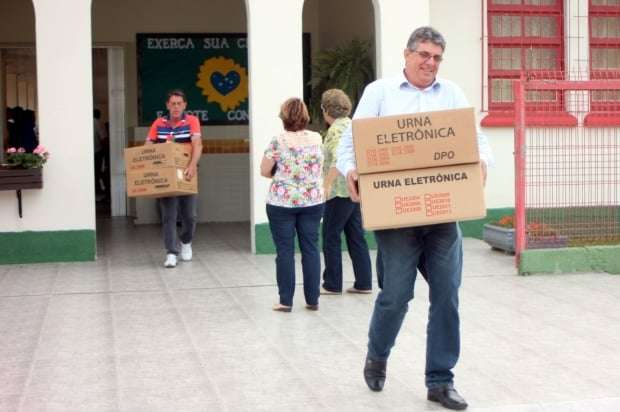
(577, 55)
(577, 40)
(118, 135)
(65, 99)
(394, 22)
(276, 73)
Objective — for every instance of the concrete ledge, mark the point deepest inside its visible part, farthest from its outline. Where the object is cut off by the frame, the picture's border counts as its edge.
(52, 246)
(574, 259)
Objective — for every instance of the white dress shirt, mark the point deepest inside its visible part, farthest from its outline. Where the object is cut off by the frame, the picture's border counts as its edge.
(395, 95)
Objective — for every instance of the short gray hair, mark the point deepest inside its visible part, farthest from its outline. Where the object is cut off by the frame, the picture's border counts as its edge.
(425, 34)
(336, 103)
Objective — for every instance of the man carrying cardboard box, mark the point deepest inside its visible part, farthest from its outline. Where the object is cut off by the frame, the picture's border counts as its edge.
(416, 89)
(178, 127)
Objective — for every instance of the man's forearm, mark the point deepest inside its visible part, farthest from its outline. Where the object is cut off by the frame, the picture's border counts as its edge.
(196, 152)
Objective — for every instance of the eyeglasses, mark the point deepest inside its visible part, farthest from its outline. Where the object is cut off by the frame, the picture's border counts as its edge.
(426, 56)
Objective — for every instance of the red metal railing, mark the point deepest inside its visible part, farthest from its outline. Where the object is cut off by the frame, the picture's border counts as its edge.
(567, 178)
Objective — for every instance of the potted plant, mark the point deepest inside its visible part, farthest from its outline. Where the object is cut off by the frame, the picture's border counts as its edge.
(22, 170)
(501, 235)
(347, 67)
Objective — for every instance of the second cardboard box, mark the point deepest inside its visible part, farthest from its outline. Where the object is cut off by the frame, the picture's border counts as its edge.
(421, 197)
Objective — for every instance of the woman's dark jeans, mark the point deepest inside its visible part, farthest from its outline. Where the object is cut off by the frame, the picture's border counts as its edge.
(284, 223)
(341, 214)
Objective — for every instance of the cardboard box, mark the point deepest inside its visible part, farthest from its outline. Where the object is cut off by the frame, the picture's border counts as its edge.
(160, 182)
(415, 141)
(157, 155)
(422, 196)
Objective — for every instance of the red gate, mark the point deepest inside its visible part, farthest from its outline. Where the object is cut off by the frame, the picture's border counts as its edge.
(567, 163)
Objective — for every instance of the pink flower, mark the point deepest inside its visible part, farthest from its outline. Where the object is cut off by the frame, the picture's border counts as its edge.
(39, 150)
(11, 150)
(21, 150)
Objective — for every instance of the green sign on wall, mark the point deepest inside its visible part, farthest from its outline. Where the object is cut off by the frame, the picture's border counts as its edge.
(210, 68)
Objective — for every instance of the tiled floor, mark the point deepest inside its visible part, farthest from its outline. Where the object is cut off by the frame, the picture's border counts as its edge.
(125, 334)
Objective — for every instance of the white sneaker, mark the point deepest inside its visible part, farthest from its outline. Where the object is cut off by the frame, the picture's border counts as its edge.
(186, 251)
(171, 260)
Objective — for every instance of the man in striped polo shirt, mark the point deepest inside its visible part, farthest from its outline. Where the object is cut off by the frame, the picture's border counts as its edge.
(178, 127)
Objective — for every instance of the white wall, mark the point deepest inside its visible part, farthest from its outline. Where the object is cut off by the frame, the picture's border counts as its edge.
(461, 24)
(499, 190)
(394, 22)
(65, 124)
(270, 84)
(117, 21)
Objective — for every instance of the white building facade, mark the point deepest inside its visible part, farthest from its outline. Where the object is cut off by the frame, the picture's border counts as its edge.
(59, 221)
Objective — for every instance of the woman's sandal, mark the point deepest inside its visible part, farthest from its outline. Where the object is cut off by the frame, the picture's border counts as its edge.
(312, 307)
(278, 307)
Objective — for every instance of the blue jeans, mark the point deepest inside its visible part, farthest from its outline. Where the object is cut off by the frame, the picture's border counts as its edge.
(342, 214)
(284, 222)
(379, 269)
(443, 262)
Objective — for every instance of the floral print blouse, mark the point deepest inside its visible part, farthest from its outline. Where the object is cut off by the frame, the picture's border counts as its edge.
(330, 148)
(298, 181)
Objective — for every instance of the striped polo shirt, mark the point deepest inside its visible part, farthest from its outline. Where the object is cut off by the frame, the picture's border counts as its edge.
(164, 130)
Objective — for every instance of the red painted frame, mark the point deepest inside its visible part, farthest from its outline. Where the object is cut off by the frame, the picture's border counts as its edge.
(520, 87)
(501, 114)
(602, 112)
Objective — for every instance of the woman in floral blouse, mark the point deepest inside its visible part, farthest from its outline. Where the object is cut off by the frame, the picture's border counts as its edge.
(293, 160)
(341, 213)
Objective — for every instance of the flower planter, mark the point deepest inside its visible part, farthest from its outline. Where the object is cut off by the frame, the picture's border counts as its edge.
(12, 178)
(18, 179)
(499, 237)
(504, 239)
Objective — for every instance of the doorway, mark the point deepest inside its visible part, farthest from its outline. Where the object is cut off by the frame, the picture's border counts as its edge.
(109, 100)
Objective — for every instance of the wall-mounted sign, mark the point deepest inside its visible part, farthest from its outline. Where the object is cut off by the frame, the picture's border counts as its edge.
(210, 68)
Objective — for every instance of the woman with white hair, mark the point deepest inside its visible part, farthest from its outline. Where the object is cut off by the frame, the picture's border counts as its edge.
(341, 213)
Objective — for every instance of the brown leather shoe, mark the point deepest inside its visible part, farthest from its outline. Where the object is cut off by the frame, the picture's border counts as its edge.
(448, 397)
